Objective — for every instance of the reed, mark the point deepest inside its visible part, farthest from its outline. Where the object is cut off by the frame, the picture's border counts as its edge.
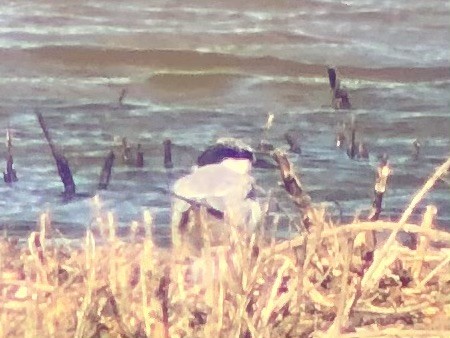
(246, 285)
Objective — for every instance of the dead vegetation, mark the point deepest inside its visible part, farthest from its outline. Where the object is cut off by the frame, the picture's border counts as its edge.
(329, 281)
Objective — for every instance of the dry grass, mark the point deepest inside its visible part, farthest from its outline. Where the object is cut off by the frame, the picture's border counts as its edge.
(330, 281)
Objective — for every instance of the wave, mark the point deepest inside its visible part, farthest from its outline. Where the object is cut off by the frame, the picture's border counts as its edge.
(191, 60)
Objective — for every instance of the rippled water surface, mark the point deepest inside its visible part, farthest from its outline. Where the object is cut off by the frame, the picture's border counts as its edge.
(195, 71)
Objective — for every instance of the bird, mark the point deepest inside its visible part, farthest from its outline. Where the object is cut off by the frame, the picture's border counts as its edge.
(223, 186)
(226, 148)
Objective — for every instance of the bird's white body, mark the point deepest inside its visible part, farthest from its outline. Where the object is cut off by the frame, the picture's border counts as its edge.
(223, 186)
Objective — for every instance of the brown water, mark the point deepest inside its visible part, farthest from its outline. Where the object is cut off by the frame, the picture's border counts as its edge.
(199, 70)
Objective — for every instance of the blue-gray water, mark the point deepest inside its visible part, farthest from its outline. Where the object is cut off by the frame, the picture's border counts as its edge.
(199, 70)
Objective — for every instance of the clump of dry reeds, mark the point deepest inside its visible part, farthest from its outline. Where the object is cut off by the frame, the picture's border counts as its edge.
(329, 281)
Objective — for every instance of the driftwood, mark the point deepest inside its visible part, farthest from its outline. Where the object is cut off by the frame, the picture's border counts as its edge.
(61, 161)
(105, 175)
(9, 175)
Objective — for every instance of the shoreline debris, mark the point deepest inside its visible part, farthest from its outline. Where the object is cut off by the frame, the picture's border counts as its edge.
(62, 163)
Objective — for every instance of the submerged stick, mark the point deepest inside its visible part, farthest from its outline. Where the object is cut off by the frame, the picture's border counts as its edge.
(168, 154)
(10, 175)
(105, 175)
(61, 161)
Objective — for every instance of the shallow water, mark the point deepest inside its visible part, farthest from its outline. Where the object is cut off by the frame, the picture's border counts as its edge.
(196, 71)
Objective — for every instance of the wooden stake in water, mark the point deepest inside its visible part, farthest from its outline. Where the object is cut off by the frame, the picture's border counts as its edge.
(340, 98)
(352, 150)
(139, 156)
(293, 139)
(123, 93)
(383, 173)
(168, 154)
(9, 175)
(105, 175)
(61, 161)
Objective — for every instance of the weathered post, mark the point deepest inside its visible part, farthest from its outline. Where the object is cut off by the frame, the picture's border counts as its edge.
(105, 174)
(139, 156)
(10, 175)
(383, 173)
(416, 153)
(61, 161)
(352, 150)
(340, 98)
(123, 93)
(293, 186)
(168, 154)
(293, 139)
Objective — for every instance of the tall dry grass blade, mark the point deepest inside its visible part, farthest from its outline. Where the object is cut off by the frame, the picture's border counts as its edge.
(422, 246)
(43, 229)
(145, 268)
(276, 302)
(370, 279)
(435, 271)
(341, 318)
(148, 224)
(397, 332)
(344, 230)
(90, 285)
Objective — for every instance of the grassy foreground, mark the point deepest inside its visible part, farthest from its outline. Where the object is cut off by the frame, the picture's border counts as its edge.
(327, 282)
